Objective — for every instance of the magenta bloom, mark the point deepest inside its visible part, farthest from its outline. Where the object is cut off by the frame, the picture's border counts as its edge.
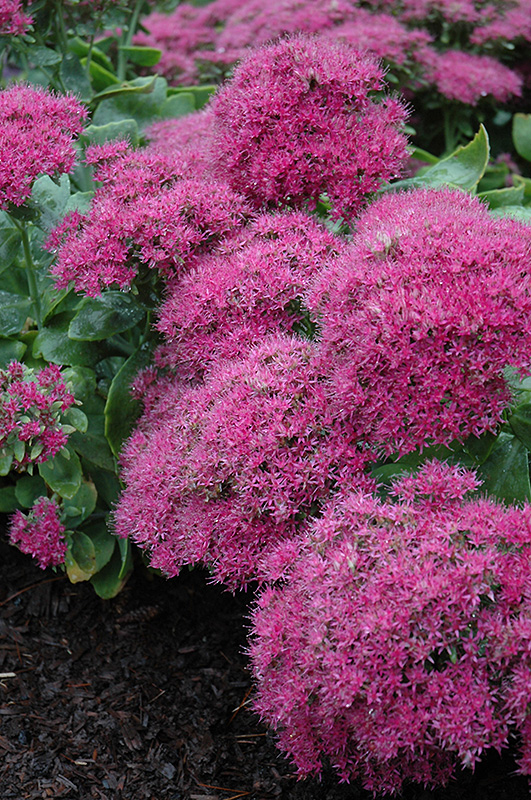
(31, 403)
(397, 644)
(383, 36)
(37, 129)
(252, 286)
(219, 472)
(186, 139)
(298, 119)
(146, 215)
(13, 20)
(469, 78)
(40, 533)
(422, 315)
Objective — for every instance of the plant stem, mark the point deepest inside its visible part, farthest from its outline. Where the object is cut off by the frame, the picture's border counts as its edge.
(63, 39)
(119, 343)
(449, 131)
(122, 59)
(31, 271)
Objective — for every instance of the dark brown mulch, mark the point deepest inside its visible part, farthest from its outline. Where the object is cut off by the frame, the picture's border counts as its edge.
(146, 697)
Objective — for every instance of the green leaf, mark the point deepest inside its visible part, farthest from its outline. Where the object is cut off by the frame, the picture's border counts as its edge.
(11, 350)
(177, 106)
(107, 484)
(28, 489)
(423, 155)
(519, 180)
(79, 201)
(53, 344)
(505, 474)
(463, 168)
(141, 99)
(75, 78)
(121, 410)
(14, 311)
(522, 135)
(109, 581)
(520, 422)
(480, 448)
(50, 198)
(128, 88)
(123, 129)
(104, 542)
(5, 463)
(499, 198)
(101, 78)
(79, 507)
(201, 94)
(101, 317)
(77, 418)
(10, 241)
(82, 49)
(494, 177)
(519, 213)
(143, 56)
(8, 500)
(43, 56)
(124, 546)
(82, 383)
(63, 473)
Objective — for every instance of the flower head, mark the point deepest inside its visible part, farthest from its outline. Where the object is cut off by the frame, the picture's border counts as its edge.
(31, 404)
(146, 215)
(40, 533)
(216, 473)
(250, 287)
(468, 78)
(13, 20)
(397, 639)
(37, 129)
(299, 119)
(422, 315)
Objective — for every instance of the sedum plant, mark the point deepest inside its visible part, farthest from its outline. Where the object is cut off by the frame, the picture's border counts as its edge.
(270, 337)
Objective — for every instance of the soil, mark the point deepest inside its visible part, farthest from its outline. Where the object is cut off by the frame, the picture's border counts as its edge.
(147, 697)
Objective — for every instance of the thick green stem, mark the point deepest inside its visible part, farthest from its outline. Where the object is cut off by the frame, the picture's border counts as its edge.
(450, 137)
(63, 38)
(31, 272)
(126, 42)
(120, 344)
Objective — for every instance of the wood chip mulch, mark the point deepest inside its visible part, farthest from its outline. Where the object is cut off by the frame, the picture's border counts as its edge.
(147, 697)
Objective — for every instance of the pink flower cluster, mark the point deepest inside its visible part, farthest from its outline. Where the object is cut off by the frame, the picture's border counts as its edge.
(299, 119)
(398, 642)
(146, 215)
(420, 317)
(40, 533)
(217, 472)
(468, 78)
(37, 129)
(13, 20)
(31, 404)
(204, 43)
(252, 285)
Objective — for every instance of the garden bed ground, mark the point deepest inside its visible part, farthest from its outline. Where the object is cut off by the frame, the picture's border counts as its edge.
(145, 697)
